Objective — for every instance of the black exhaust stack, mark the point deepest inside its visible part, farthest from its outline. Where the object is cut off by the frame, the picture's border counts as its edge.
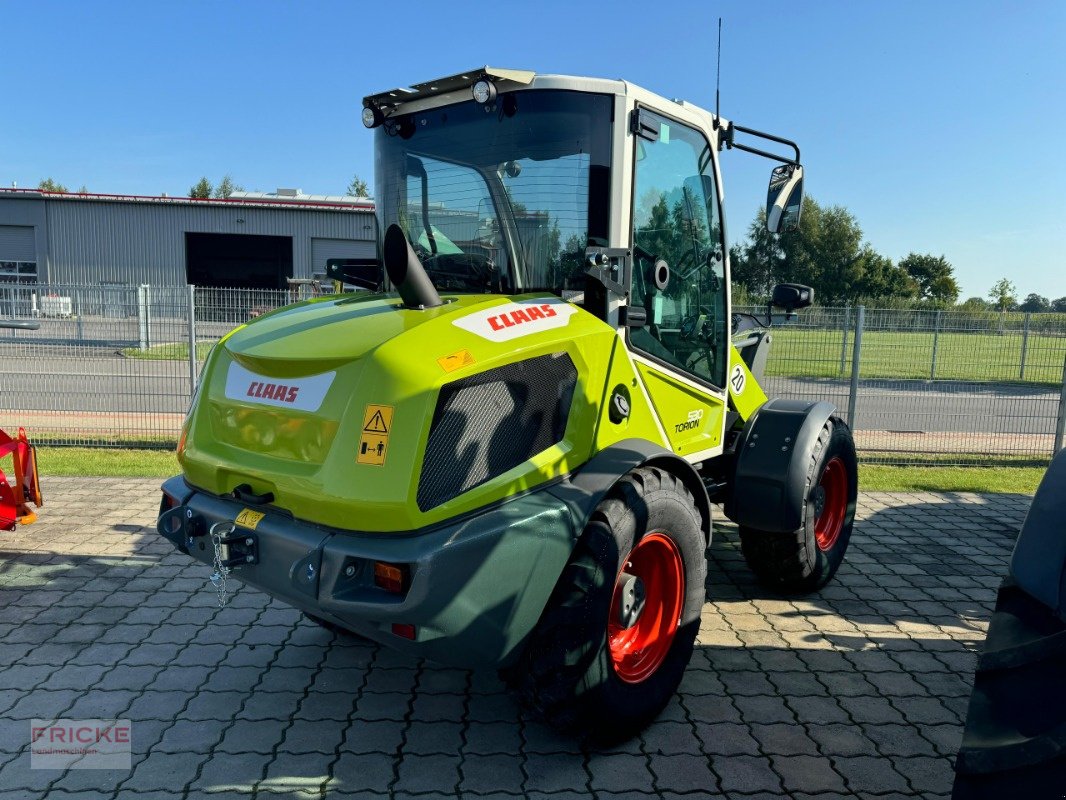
(406, 271)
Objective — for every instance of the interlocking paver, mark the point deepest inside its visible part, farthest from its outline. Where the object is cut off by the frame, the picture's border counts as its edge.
(683, 773)
(855, 690)
(747, 774)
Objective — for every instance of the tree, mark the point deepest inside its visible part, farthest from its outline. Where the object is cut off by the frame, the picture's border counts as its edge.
(49, 185)
(358, 187)
(881, 279)
(1035, 303)
(1059, 305)
(933, 275)
(1004, 295)
(201, 190)
(974, 304)
(84, 189)
(226, 187)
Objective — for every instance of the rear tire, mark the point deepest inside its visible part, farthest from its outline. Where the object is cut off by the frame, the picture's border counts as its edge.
(582, 672)
(807, 559)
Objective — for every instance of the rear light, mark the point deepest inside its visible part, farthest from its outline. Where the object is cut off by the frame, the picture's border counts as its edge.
(403, 630)
(390, 577)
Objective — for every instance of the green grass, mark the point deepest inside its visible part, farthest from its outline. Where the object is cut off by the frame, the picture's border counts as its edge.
(1006, 480)
(127, 463)
(988, 357)
(175, 351)
(110, 462)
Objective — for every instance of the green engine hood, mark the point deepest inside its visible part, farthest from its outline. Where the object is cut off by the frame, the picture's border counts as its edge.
(327, 333)
(289, 403)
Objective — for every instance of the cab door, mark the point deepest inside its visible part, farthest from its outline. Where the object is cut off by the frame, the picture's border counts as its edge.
(682, 352)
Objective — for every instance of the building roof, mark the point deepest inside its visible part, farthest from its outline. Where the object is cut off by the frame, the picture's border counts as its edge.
(257, 199)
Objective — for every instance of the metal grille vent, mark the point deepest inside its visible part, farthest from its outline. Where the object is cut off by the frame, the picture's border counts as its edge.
(489, 423)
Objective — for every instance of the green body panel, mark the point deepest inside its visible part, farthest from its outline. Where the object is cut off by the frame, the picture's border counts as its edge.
(750, 397)
(693, 419)
(381, 354)
(641, 422)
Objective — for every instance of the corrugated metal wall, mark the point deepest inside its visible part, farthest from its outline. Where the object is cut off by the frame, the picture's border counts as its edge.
(16, 243)
(323, 249)
(96, 241)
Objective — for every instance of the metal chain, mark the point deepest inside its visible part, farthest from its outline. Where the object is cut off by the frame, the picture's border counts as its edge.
(218, 577)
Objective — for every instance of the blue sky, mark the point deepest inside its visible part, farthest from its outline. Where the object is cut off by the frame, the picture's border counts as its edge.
(939, 125)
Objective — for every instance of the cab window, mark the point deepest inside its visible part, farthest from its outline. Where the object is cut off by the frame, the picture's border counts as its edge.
(676, 217)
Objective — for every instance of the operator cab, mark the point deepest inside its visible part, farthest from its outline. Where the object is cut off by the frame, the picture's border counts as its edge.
(602, 193)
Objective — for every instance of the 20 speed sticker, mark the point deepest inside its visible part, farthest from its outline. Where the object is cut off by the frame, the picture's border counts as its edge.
(737, 380)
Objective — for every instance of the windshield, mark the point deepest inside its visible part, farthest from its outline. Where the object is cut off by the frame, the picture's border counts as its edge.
(500, 198)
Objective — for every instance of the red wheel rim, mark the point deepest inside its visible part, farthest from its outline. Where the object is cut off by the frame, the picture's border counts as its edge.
(830, 521)
(636, 652)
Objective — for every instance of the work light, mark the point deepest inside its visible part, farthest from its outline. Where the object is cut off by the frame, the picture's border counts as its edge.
(484, 91)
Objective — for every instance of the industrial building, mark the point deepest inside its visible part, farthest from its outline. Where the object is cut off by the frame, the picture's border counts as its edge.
(250, 240)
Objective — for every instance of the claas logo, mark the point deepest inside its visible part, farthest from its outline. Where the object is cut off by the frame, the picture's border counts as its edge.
(520, 316)
(273, 391)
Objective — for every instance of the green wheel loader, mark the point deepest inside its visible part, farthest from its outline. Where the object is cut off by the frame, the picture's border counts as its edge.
(503, 449)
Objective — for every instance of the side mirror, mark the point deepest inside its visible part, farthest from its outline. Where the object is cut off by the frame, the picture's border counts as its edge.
(366, 273)
(792, 296)
(784, 198)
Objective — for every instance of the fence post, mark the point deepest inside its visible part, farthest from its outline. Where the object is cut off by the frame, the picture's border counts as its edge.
(78, 314)
(143, 322)
(1060, 423)
(844, 338)
(1025, 345)
(936, 342)
(860, 320)
(193, 372)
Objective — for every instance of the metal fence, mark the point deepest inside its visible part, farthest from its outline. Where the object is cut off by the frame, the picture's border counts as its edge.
(116, 366)
(946, 387)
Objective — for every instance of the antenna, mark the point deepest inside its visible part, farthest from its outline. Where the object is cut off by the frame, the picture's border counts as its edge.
(718, 78)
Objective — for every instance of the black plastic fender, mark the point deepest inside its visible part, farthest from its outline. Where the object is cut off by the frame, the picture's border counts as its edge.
(773, 455)
(584, 489)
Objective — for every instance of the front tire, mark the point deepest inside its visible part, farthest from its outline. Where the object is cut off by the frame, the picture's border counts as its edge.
(596, 665)
(807, 559)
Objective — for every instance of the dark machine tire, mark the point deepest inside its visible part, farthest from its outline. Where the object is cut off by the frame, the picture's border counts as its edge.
(582, 671)
(807, 559)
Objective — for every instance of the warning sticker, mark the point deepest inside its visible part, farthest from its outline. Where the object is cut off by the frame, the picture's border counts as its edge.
(456, 361)
(374, 439)
(249, 519)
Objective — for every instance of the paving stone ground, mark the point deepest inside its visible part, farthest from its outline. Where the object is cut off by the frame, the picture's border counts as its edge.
(858, 690)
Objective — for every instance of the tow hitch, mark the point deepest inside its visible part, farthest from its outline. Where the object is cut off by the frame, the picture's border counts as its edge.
(233, 549)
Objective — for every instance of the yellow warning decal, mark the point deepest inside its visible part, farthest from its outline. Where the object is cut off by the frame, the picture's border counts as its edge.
(249, 519)
(457, 360)
(374, 439)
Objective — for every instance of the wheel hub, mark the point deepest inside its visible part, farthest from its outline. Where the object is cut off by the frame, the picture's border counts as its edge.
(646, 608)
(631, 600)
(819, 500)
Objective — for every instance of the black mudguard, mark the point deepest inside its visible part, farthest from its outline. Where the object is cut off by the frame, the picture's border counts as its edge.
(772, 459)
(1014, 743)
(583, 490)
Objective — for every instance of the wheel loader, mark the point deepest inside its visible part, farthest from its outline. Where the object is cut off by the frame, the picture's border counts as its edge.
(505, 446)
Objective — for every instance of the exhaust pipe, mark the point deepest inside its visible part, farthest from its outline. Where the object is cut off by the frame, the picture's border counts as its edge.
(406, 271)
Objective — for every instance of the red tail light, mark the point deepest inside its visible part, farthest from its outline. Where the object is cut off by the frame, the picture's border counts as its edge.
(403, 630)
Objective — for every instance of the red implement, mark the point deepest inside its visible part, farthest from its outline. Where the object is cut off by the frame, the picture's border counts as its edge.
(24, 487)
